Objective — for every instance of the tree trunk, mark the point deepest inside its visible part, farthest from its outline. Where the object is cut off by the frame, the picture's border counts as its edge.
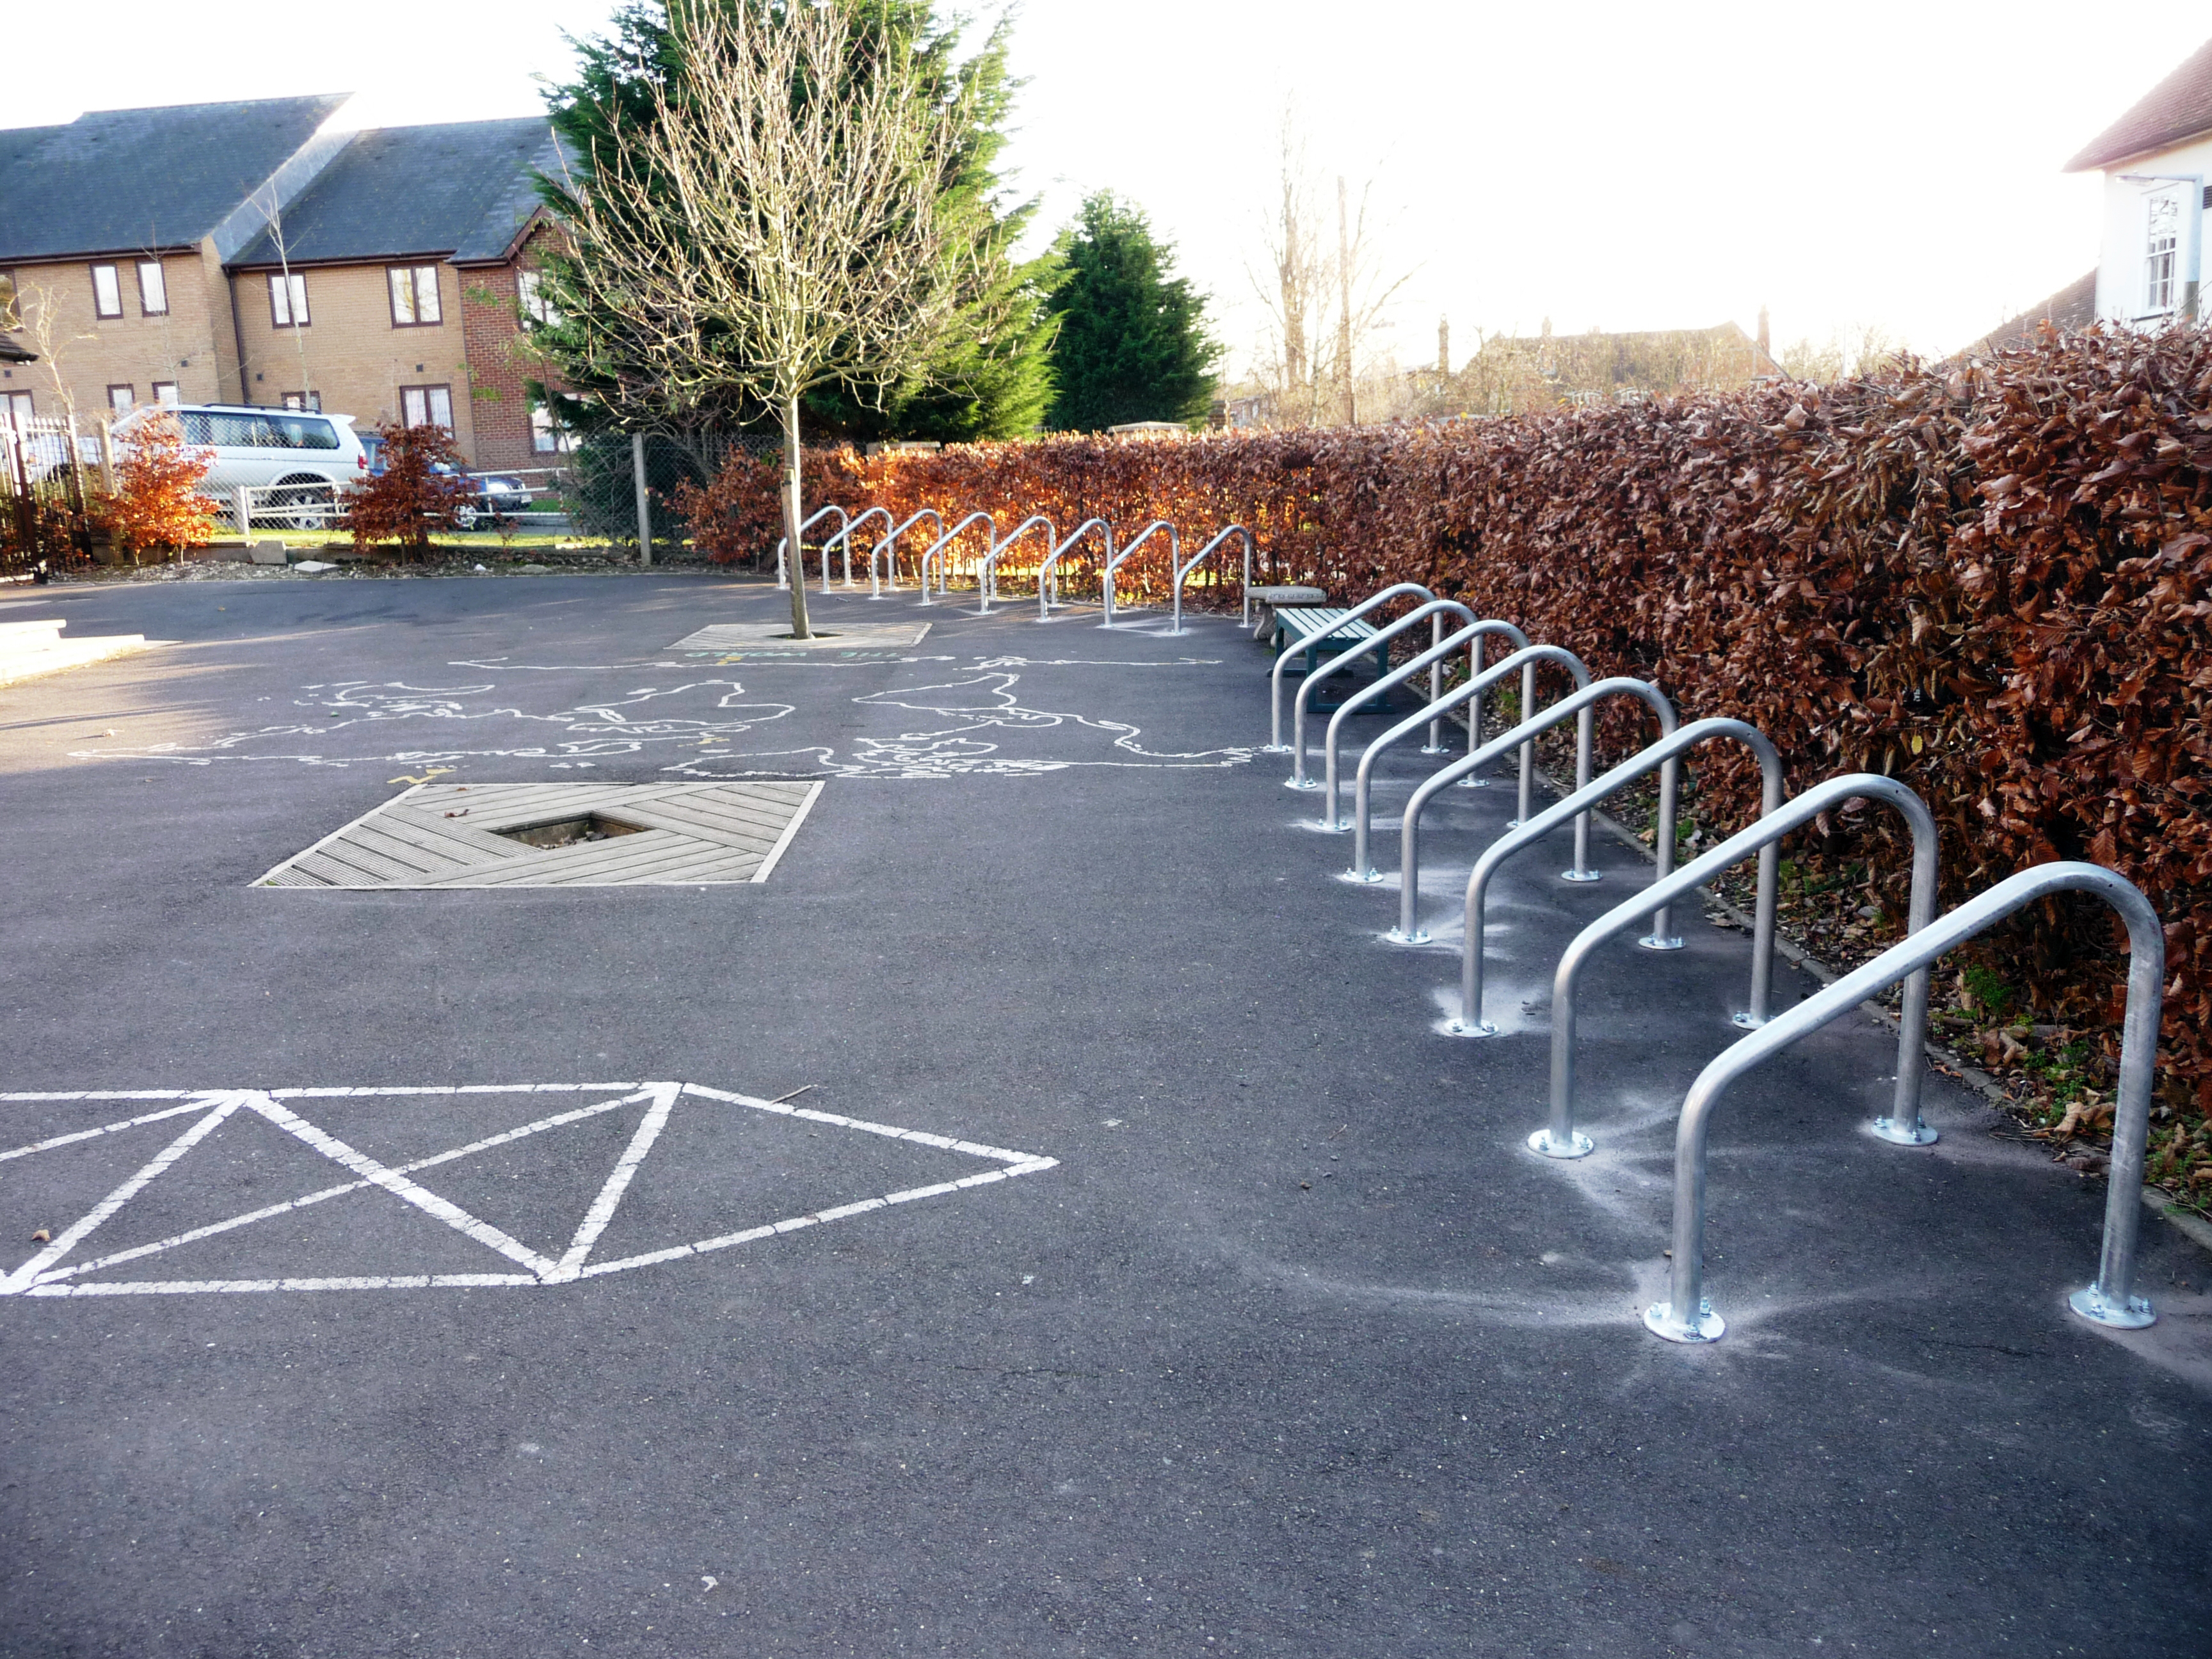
(795, 561)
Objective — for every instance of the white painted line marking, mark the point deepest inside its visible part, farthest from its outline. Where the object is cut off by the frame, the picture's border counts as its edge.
(197, 1103)
(399, 1186)
(302, 1202)
(204, 1286)
(41, 1277)
(15, 1283)
(768, 864)
(603, 1208)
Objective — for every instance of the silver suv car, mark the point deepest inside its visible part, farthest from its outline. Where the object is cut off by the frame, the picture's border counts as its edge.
(297, 460)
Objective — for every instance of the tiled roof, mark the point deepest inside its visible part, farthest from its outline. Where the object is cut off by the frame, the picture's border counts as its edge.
(2178, 107)
(460, 190)
(2074, 307)
(115, 180)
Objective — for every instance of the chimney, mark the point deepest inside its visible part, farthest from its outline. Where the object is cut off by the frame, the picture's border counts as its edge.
(1443, 348)
(1766, 344)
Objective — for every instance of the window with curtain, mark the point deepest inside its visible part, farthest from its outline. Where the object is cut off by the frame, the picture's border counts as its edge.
(427, 405)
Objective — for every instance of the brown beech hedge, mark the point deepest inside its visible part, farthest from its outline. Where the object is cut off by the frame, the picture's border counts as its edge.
(1993, 582)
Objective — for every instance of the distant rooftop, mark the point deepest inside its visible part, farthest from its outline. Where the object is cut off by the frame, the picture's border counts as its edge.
(116, 181)
(2074, 307)
(460, 190)
(2178, 107)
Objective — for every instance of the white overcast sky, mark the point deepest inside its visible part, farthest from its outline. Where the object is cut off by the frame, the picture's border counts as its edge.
(1614, 165)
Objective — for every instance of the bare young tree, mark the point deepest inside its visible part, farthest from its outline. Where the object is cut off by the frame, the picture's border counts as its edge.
(273, 212)
(774, 227)
(53, 344)
(1309, 357)
(1296, 287)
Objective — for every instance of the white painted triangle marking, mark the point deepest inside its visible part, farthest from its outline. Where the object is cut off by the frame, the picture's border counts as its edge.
(603, 1208)
(19, 1280)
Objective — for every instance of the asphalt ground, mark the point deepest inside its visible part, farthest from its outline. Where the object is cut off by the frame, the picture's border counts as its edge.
(1292, 1347)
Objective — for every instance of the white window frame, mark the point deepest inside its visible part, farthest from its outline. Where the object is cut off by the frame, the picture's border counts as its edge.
(106, 292)
(287, 301)
(125, 403)
(153, 288)
(2161, 255)
(168, 395)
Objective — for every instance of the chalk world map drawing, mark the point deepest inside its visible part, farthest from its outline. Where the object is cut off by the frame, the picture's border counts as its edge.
(186, 1192)
(961, 720)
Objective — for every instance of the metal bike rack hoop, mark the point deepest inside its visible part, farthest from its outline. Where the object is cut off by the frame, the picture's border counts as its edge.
(1435, 609)
(1521, 736)
(987, 579)
(1560, 1139)
(1582, 704)
(1476, 780)
(1382, 685)
(1199, 558)
(783, 545)
(1688, 1317)
(1045, 572)
(889, 546)
(941, 543)
(1275, 744)
(845, 536)
(1469, 690)
(1114, 560)
(1661, 755)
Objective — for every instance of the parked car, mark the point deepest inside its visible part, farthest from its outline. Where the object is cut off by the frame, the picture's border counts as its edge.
(497, 495)
(296, 460)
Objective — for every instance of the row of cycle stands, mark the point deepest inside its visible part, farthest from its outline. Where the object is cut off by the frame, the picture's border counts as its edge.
(1687, 1316)
(972, 548)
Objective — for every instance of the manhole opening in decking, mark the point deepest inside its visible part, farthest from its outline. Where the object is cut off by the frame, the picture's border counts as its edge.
(570, 832)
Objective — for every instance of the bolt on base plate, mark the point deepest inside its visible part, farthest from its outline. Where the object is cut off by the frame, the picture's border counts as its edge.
(1418, 935)
(2094, 1306)
(1746, 1020)
(1653, 942)
(1481, 1027)
(1300, 783)
(1576, 1145)
(1582, 875)
(1274, 749)
(1360, 875)
(1472, 783)
(1659, 1320)
(1897, 1134)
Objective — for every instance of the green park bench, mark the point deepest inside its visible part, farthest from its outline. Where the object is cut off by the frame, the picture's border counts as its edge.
(1321, 630)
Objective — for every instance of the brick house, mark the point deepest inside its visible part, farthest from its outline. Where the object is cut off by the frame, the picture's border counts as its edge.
(261, 254)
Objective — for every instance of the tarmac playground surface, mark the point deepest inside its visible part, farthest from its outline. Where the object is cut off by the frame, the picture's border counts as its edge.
(1142, 1269)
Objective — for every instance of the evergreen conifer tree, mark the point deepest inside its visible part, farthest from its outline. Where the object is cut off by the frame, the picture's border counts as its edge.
(991, 376)
(1132, 345)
